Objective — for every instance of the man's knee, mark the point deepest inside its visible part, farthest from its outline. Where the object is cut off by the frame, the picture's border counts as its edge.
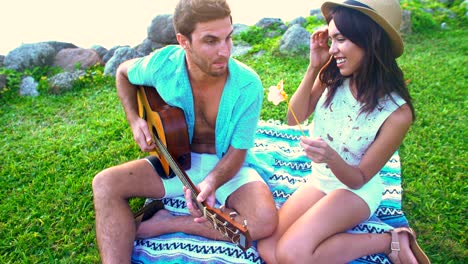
(267, 221)
(102, 183)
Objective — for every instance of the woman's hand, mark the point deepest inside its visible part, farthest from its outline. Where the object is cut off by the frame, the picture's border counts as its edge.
(317, 150)
(319, 49)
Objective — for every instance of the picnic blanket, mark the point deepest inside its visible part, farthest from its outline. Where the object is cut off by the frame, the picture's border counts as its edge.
(285, 168)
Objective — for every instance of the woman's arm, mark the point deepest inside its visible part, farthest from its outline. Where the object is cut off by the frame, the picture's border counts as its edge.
(388, 140)
(309, 91)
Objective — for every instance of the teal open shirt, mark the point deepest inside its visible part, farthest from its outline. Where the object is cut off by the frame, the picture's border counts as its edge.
(240, 105)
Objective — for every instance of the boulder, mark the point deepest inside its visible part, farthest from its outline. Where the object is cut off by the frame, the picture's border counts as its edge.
(296, 40)
(100, 50)
(161, 30)
(28, 87)
(3, 82)
(64, 81)
(58, 45)
(120, 55)
(29, 56)
(77, 58)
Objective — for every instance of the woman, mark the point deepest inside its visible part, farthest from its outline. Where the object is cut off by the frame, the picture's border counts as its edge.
(362, 111)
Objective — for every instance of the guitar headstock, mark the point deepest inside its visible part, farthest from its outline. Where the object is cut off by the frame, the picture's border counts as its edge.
(237, 233)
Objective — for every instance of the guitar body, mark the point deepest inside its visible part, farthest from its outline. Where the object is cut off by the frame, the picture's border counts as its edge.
(166, 123)
(170, 134)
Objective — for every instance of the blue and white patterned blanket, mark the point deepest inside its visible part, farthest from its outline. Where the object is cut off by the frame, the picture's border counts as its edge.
(285, 169)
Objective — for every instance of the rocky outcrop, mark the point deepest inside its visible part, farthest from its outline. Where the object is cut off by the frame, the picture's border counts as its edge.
(295, 40)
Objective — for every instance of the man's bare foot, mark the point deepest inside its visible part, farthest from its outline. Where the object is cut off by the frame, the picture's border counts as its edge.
(155, 225)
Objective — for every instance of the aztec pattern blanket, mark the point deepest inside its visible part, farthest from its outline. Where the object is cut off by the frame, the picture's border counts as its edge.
(285, 168)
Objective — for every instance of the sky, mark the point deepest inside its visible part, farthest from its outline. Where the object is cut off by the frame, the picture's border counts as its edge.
(115, 22)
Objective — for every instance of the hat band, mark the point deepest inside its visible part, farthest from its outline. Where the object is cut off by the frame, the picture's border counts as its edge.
(356, 3)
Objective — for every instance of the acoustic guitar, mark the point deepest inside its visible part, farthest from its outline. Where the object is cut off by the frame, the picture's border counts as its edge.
(170, 134)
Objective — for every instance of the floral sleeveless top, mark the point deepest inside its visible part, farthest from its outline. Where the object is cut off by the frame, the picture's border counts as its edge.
(346, 130)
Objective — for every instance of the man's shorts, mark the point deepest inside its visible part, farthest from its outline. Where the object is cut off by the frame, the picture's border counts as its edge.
(201, 165)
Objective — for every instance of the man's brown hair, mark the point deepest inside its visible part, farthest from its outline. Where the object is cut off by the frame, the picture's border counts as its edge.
(190, 12)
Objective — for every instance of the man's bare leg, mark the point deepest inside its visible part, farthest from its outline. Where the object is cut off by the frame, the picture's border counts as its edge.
(260, 216)
(254, 203)
(115, 225)
(163, 222)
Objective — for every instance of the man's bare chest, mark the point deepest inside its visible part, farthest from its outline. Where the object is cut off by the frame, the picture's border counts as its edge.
(206, 106)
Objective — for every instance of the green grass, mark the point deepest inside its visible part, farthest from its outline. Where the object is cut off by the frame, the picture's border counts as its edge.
(52, 146)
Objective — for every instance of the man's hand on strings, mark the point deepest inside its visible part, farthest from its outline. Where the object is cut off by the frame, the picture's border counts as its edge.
(206, 194)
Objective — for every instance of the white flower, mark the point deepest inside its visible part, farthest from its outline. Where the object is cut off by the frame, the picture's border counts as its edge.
(276, 94)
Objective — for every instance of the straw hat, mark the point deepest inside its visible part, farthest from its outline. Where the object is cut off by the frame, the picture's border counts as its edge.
(386, 13)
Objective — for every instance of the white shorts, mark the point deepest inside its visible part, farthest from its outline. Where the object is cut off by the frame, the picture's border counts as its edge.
(201, 165)
(371, 192)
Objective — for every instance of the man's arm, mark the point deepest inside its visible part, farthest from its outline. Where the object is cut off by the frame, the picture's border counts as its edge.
(127, 93)
(226, 168)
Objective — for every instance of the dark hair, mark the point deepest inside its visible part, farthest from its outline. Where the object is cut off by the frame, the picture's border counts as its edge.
(379, 74)
(190, 12)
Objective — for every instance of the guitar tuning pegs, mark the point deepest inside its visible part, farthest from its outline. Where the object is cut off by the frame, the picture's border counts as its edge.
(245, 223)
(221, 208)
(233, 215)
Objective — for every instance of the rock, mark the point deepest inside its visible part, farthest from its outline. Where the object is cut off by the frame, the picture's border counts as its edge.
(110, 53)
(298, 21)
(29, 56)
(78, 58)
(240, 49)
(296, 40)
(64, 81)
(100, 50)
(239, 28)
(161, 30)
(148, 46)
(120, 55)
(58, 46)
(3, 82)
(28, 87)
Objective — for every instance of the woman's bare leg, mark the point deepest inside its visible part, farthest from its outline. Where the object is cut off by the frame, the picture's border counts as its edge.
(334, 213)
(296, 205)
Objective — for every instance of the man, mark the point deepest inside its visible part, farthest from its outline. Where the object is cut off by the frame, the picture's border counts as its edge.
(221, 99)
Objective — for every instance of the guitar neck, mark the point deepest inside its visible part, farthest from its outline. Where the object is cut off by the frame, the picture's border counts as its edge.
(179, 172)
